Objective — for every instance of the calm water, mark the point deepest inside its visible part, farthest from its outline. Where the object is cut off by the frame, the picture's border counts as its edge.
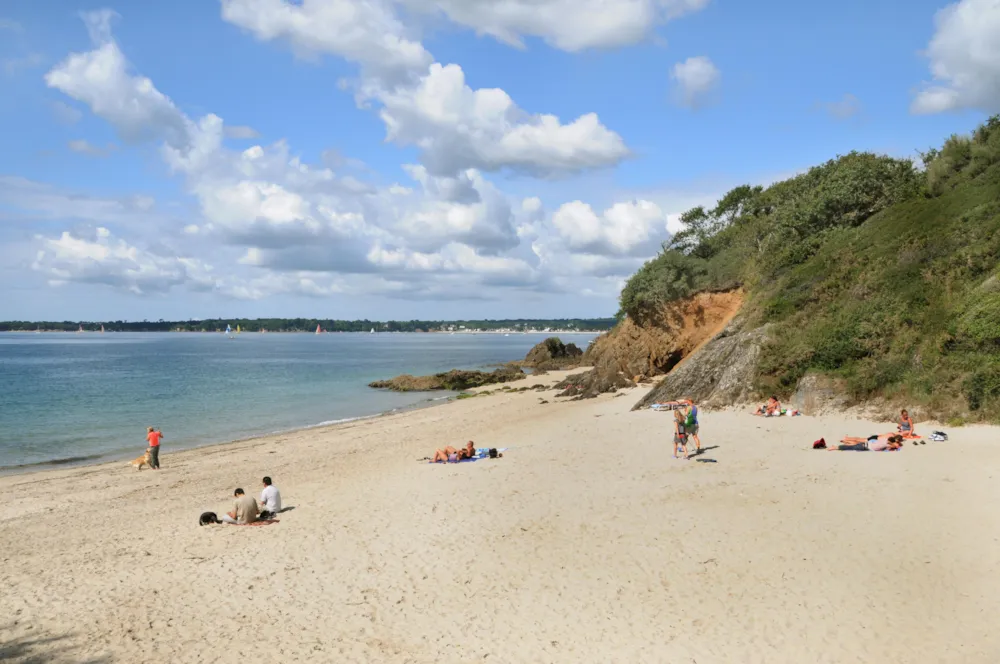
(69, 398)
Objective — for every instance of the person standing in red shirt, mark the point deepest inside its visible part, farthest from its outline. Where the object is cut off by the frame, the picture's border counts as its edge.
(154, 436)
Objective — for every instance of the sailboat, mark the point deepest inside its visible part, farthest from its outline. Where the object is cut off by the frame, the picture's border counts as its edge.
(373, 331)
(102, 329)
(229, 331)
(80, 330)
(319, 330)
(237, 329)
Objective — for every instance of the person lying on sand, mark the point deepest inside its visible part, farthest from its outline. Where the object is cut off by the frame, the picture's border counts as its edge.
(449, 454)
(876, 443)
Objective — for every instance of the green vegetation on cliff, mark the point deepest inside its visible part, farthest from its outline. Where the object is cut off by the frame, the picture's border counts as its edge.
(866, 268)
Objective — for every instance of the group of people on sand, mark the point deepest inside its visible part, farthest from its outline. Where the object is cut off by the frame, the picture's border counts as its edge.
(773, 409)
(685, 426)
(449, 454)
(247, 510)
(881, 442)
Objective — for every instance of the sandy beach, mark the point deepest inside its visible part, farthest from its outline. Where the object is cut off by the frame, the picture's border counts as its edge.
(587, 542)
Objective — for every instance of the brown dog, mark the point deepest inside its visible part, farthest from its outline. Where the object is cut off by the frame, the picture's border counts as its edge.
(141, 461)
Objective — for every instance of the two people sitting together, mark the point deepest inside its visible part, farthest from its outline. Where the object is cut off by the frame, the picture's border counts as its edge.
(449, 454)
(246, 510)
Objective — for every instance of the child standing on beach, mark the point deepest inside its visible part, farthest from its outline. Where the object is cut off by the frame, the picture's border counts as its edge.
(153, 436)
(680, 432)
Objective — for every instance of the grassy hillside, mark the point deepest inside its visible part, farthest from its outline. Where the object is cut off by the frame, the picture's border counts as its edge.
(867, 268)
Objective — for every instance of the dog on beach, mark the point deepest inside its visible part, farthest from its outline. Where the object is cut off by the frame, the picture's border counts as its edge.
(141, 461)
(207, 518)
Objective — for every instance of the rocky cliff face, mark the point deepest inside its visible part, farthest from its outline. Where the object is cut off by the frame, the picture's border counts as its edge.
(720, 373)
(634, 352)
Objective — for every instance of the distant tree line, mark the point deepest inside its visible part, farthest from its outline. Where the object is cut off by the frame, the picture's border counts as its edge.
(309, 325)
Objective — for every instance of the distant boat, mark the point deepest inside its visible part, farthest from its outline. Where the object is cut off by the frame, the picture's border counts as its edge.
(237, 329)
(80, 330)
(102, 329)
(319, 330)
(229, 331)
(262, 330)
(506, 334)
(372, 331)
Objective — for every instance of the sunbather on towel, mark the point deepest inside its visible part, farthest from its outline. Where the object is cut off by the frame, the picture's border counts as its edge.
(450, 455)
(877, 443)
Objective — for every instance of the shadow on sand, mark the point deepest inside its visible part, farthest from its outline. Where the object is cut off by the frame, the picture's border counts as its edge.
(39, 648)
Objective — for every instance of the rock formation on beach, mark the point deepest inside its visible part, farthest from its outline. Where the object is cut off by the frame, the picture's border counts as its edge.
(455, 380)
(552, 355)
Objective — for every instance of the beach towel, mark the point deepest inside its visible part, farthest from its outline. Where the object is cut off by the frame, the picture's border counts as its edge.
(910, 436)
(263, 522)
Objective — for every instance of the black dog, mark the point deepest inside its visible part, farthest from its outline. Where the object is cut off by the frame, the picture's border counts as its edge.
(207, 518)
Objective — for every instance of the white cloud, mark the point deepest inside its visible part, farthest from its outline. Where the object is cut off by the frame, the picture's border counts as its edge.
(288, 226)
(570, 25)
(11, 25)
(456, 127)
(425, 104)
(697, 79)
(100, 78)
(365, 32)
(241, 132)
(624, 229)
(846, 107)
(104, 259)
(964, 59)
(82, 146)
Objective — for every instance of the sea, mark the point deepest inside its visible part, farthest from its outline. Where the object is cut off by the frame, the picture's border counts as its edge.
(71, 399)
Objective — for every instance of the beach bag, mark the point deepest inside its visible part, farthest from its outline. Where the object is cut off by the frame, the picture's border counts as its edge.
(493, 453)
(939, 436)
(820, 444)
(689, 422)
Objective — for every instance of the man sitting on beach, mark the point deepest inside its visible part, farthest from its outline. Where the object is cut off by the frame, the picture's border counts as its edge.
(270, 500)
(244, 509)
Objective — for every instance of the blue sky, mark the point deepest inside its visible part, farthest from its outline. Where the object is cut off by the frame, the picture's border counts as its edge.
(430, 158)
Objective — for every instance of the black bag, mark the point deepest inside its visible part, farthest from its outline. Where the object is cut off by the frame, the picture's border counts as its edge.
(493, 453)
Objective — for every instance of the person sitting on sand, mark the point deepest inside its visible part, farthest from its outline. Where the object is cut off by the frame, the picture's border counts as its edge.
(680, 433)
(244, 509)
(906, 424)
(270, 499)
(877, 443)
(770, 409)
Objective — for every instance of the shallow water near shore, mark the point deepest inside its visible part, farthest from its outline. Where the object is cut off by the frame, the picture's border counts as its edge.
(70, 399)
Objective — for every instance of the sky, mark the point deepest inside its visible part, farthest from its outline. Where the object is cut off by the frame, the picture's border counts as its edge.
(431, 159)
